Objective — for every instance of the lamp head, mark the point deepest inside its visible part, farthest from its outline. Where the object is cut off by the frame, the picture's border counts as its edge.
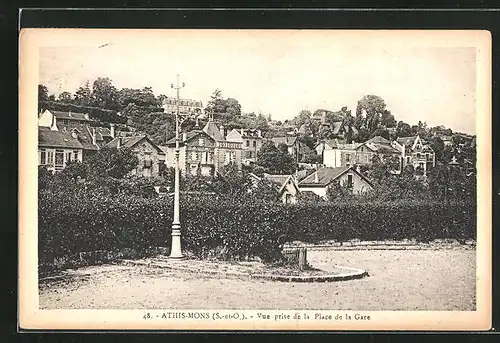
(183, 84)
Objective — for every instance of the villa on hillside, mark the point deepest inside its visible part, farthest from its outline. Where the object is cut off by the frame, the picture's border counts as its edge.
(415, 152)
(319, 180)
(204, 151)
(251, 140)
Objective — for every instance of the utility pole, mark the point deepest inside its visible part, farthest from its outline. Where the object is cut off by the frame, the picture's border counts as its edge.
(176, 251)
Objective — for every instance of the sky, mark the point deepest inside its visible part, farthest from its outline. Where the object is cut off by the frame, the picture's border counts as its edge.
(279, 74)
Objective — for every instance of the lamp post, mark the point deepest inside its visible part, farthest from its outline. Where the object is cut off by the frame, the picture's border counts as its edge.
(176, 251)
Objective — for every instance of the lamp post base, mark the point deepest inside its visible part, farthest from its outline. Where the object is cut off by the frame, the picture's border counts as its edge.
(176, 252)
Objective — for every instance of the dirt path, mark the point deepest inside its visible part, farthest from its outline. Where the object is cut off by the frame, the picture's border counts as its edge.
(399, 280)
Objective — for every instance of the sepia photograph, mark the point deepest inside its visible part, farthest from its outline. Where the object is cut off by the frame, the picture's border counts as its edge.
(255, 179)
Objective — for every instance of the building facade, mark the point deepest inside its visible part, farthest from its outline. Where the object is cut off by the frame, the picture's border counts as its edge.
(185, 106)
(251, 140)
(150, 156)
(56, 149)
(415, 152)
(204, 151)
(321, 179)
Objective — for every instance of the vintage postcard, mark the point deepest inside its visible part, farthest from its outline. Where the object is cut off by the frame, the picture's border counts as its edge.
(255, 179)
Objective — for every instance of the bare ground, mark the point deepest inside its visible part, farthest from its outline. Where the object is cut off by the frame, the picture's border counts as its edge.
(430, 280)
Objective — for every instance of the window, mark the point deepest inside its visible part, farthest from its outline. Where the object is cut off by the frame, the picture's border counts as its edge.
(418, 155)
(348, 157)
(43, 156)
(288, 198)
(50, 157)
(230, 156)
(148, 163)
(194, 155)
(204, 157)
(248, 143)
(68, 156)
(75, 155)
(59, 163)
(407, 159)
(201, 142)
(349, 180)
(254, 144)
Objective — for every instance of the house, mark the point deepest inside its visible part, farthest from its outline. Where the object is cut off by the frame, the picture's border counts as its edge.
(225, 151)
(196, 153)
(286, 185)
(293, 145)
(149, 154)
(447, 140)
(340, 130)
(319, 180)
(185, 106)
(91, 136)
(56, 149)
(327, 144)
(57, 119)
(376, 146)
(251, 140)
(204, 151)
(415, 152)
(344, 155)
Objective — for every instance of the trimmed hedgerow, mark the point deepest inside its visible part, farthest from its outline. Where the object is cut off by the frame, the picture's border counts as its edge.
(75, 222)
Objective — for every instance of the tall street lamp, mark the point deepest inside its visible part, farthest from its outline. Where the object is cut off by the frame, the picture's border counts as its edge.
(176, 251)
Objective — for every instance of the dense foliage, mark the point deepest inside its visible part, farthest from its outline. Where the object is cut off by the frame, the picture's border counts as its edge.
(78, 221)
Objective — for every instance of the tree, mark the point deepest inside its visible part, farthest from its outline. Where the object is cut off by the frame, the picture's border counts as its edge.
(369, 112)
(275, 160)
(105, 95)
(65, 97)
(303, 117)
(43, 94)
(83, 95)
(403, 130)
(111, 162)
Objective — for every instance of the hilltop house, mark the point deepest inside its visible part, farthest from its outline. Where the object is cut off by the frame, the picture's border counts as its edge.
(185, 106)
(149, 154)
(319, 180)
(251, 140)
(415, 152)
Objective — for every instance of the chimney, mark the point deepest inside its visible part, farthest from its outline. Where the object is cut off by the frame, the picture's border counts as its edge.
(184, 136)
(222, 130)
(94, 140)
(259, 133)
(119, 143)
(112, 130)
(74, 134)
(316, 179)
(358, 169)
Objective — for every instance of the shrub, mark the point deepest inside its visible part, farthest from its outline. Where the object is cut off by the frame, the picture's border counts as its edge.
(79, 221)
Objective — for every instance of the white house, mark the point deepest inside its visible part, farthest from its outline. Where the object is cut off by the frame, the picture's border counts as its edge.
(318, 181)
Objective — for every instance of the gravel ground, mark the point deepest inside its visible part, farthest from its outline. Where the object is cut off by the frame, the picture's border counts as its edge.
(430, 280)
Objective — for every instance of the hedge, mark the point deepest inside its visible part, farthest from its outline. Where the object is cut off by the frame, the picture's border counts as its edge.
(73, 223)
